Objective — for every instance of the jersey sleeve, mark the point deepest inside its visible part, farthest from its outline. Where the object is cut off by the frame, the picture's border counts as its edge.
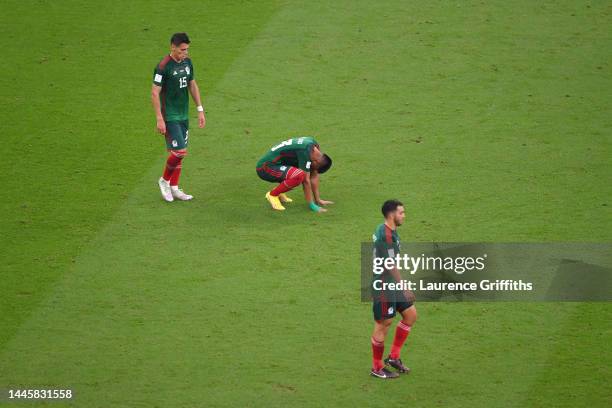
(158, 76)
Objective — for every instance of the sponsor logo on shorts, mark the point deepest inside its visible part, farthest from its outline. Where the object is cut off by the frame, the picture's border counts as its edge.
(390, 311)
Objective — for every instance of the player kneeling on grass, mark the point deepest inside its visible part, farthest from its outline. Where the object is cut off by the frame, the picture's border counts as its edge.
(387, 302)
(291, 163)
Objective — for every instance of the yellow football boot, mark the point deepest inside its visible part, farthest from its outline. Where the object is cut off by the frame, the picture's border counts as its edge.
(284, 198)
(274, 202)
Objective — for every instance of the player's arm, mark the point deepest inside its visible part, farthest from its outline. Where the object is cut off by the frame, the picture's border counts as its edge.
(398, 277)
(314, 183)
(195, 94)
(161, 124)
(384, 246)
(308, 195)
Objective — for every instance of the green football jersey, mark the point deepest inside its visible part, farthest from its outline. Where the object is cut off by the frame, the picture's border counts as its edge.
(293, 152)
(386, 245)
(173, 77)
(386, 242)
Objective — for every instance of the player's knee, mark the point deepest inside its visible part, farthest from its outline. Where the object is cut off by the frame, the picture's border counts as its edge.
(409, 317)
(299, 176)
(383, 324)
(179, 153)
(381, 328)
(379, 335)
(386, 326)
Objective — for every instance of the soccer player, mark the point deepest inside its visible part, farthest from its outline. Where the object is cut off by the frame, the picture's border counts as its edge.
(291, 163)
(172, 78)
(387, 303)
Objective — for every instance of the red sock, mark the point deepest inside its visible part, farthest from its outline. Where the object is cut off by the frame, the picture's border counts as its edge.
(171, 164)
(401, 333)
(378, 349)
(295, 177)
(176, 174)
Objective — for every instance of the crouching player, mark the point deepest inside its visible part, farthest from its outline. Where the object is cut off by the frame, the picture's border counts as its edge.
(387, 302)
(291, 163)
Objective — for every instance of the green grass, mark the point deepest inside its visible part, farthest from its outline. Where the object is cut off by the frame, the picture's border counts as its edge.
(490, 120)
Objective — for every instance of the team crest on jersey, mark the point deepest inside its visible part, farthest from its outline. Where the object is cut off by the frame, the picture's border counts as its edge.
(175, 73)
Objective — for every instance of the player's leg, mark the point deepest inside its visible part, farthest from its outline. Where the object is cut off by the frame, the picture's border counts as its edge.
(180, 152)
(293, 178)
(172, 143)
(272, 173)
(383, 318)
(177, 193)
(402, 330)
(381, 328)
(288, 177)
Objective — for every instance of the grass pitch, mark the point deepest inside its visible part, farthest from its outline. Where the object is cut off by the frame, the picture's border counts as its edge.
(489, 120)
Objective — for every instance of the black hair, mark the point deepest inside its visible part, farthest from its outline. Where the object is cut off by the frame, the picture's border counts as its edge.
(389, 206)
(326, 163)
(179, 38)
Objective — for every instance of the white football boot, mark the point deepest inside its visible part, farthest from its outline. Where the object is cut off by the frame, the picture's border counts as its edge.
(164, 187)
(179, 195)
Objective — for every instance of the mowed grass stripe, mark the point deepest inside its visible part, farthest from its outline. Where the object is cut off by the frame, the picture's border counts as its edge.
(81, 120)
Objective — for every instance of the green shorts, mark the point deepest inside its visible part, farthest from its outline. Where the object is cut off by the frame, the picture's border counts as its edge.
(274, 173)
(177, 135)
(385, 307)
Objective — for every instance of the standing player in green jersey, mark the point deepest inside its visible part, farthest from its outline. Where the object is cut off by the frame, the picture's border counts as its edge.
(387, 302)
(291, 163)
(172, 78)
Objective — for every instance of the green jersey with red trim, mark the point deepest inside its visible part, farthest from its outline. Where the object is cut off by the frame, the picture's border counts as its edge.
(293, 152)
(386, 242)
(174, 78)
(386, 245)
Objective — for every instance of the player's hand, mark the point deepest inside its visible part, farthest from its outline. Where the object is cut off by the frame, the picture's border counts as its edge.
(161, 126)
(324, 202)
(201, 119)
